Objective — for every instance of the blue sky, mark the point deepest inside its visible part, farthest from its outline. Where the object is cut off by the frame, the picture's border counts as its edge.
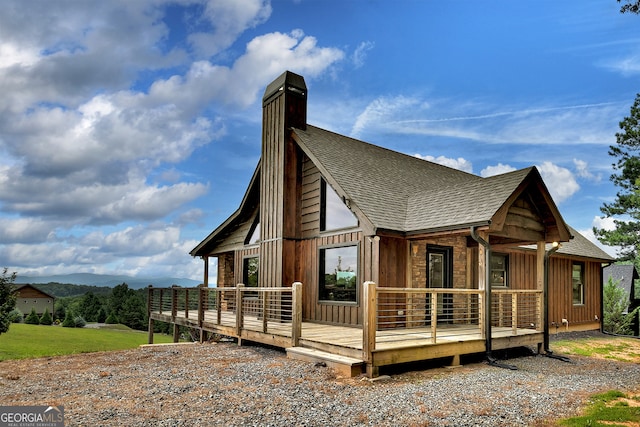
(130, 130)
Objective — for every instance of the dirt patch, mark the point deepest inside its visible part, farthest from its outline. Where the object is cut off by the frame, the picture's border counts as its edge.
(600, 346)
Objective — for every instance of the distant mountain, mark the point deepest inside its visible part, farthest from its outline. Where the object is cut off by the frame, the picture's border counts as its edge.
(107, 280)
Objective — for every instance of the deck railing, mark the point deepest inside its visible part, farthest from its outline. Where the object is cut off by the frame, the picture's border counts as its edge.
(275, 311)
(390, 315)
(389, 312)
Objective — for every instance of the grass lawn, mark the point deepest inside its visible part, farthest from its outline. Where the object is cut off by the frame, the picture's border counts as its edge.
(28, 341)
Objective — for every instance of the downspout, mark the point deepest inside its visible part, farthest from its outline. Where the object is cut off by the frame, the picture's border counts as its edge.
(545, 291)
(487, 304)
(487, 289)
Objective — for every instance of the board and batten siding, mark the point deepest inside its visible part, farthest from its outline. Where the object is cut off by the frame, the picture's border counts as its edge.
(561, 288)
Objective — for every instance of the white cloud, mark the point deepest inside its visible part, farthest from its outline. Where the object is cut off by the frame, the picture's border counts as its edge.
(459, 163)
(360, 54)
(496, 170)
(486, 123)
(560, 181)
(229, 19)
(601, 223)
(380, 112)
(582, 170)
(84, 130)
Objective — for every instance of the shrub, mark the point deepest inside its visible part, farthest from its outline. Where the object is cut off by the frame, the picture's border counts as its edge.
(79, 322)
(102, 315)
(68, 320)
(16, 316)
(32, 318)
(111, 319)
(46, 318)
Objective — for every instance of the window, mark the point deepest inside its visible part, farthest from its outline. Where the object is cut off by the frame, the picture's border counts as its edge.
(254, 233)
(578, 283)
(339, 274)
(334, 214)
(250, 271)
(499, 270)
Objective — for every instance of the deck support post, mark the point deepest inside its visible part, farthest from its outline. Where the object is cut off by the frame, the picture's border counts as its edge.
(369, 326)
(239, 319)
(151, 326)
(149, 303)
(176, 333)
(296, 315)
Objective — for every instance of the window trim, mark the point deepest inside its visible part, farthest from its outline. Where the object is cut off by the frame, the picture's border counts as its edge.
(507, 283)
(322, 226)
(245, 259)
(582, 286)
(320, 272)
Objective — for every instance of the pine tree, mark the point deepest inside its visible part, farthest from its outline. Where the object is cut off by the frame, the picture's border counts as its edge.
(46, 318)
(68, 320)
(32, 318)
(7, 300)
(625, 210)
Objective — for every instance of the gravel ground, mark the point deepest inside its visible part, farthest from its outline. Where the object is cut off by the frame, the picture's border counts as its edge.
(223, 384)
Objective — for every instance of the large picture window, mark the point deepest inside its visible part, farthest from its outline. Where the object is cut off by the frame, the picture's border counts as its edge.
(334, 214)
(339, 274)
(578, 283)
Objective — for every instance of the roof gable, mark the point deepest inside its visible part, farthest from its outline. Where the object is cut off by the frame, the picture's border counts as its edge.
(405, 194)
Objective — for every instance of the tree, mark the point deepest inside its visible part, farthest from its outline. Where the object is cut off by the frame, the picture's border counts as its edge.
(614, 304)
(90, 306)
(68, 320)
(626, 208)
(32, 318)
(46, 318)
(632, 6)
(7, 300)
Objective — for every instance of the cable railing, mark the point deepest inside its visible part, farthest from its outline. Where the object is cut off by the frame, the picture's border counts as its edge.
(434, 315)
(235, 310)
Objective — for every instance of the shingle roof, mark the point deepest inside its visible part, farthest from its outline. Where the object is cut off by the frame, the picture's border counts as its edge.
(405, 193)
(581, 246)
(623, 274)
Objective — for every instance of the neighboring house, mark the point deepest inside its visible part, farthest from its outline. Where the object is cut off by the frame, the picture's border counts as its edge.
(444, 248)
(627, 278)
(28, 297)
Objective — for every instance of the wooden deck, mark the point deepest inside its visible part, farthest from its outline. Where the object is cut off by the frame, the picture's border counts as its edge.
(274, 317)
(392, 346)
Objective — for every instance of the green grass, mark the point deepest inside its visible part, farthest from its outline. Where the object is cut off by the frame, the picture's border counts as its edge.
(30, 341)
(606, 409)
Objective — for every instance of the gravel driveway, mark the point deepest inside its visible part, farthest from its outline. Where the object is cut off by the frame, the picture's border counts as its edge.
(223, 384)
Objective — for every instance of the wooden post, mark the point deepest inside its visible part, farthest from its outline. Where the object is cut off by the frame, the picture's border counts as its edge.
(201, 298)
(149, 304)
(174, 303)
(296, 315)
(514, 313)
(218, 306)
(434, 315)
(540, 280)
(264, 311)
(176, 332)
(205, 282)
(369, 325)
(186, 303)
(239, 320)
(151, 325)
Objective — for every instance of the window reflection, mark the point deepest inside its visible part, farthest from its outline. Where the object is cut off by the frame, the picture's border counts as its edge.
(334, 213)
(339, 274)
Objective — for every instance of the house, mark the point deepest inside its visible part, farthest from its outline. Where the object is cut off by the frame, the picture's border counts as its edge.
(394, 258)
(626, 276)
(29, 297)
